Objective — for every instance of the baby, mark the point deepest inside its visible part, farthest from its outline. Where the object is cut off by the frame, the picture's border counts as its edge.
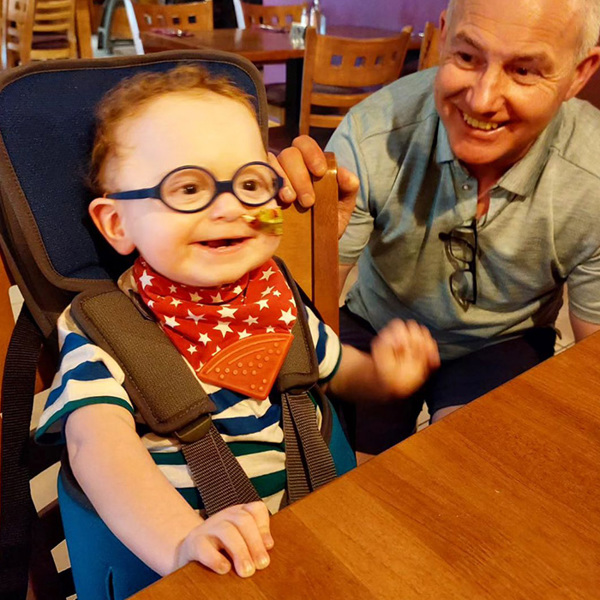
(182, 177)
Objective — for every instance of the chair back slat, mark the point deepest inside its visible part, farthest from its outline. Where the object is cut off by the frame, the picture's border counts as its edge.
(195, 16)
(340, 72)
(274, 16)
(429, 53)
(26, 25)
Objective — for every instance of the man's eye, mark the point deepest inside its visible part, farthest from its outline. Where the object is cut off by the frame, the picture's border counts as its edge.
(525, 74)
(465, 57)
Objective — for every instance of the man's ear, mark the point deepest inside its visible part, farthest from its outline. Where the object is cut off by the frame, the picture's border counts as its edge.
(584, 70)
(443, 30)
(109, 221)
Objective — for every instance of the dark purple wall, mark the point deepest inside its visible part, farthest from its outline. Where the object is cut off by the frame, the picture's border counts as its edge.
(387, 14)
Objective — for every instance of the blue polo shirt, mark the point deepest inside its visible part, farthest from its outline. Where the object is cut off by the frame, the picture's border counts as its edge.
(542, 228)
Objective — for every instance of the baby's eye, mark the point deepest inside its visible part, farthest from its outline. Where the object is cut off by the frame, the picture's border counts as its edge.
(189, 188)
(250, 185)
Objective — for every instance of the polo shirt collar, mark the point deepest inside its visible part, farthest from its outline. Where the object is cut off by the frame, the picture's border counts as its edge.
(522, 177)
(443, 150)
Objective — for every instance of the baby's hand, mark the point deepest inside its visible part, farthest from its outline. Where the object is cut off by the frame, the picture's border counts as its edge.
(242, 531)
(404, 355)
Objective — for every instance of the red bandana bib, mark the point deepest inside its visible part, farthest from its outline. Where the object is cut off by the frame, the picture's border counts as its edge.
(236, 335)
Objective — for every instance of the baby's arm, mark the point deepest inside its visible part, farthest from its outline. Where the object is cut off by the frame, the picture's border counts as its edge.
(402, 357)
(145, 511)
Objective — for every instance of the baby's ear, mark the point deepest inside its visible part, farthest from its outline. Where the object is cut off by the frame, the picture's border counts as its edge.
(108, 219)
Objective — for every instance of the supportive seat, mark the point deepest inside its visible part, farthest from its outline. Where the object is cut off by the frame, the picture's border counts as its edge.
(47, 190)
(39, 30)
(429, 52)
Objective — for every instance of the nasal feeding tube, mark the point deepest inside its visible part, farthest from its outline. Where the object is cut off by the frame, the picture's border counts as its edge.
(267, 220)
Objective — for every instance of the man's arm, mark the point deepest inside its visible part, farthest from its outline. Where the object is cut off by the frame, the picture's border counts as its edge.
(581, 328)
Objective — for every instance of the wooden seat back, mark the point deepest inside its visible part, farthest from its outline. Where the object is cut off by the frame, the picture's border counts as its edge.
(429, 54)
(340, 72)
(309, 246)
(42, 30)
(280, 17)
(194, 16)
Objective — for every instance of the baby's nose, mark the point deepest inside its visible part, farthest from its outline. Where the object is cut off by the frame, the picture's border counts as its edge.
(226, 207)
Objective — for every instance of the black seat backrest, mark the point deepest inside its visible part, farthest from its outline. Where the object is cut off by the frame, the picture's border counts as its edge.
(46, 134)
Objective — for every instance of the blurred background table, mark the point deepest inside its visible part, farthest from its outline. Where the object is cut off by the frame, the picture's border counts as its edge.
(499, 500)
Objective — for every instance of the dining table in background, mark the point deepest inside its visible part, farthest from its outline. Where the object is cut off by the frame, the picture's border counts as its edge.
(262, 46)
(498, 501)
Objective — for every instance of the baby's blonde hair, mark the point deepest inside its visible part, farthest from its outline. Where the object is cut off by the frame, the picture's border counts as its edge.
(129, 98)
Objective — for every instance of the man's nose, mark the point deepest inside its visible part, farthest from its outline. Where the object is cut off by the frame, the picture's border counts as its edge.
(487, 93)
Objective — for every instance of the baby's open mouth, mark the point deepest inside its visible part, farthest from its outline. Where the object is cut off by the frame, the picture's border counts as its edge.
(223, 242)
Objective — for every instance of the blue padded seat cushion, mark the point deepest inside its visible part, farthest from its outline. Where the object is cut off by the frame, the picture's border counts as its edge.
(47, 124)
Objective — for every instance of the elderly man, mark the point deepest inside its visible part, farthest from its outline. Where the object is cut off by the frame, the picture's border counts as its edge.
(479, 194)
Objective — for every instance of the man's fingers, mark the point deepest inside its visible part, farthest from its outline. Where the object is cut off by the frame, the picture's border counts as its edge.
(287, 193)
(348, 182)
(348, 188)
(312, 154)
(292, 162)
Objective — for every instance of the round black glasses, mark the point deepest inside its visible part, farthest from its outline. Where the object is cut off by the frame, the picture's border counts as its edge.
(190, 189)
(461, 249)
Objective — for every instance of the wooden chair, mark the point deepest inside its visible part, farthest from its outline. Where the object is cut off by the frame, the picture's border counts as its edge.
(195, 16)
(429, 53)
(340, 72)
(41, 30)
(309, 246)
(279, 17)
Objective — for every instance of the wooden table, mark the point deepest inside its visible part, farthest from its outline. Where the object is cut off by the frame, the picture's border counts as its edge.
(501, 500)
(262, 47)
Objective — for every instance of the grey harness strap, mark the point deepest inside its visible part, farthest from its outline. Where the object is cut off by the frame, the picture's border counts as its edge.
(309, 463)
(216, 473)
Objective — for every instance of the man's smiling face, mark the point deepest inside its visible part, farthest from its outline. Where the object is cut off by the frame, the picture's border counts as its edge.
(506, 67)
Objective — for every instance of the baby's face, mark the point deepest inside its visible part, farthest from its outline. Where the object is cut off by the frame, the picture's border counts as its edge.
(207, 248)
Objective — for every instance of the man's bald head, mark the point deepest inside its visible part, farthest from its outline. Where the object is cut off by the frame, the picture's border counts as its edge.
(587, 15)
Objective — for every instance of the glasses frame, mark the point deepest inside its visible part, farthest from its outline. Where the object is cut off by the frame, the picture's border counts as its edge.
(455, 235)
(221, 187)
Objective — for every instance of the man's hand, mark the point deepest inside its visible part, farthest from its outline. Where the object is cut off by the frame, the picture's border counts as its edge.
(404, 354)
(241, 531)
(296, 165)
